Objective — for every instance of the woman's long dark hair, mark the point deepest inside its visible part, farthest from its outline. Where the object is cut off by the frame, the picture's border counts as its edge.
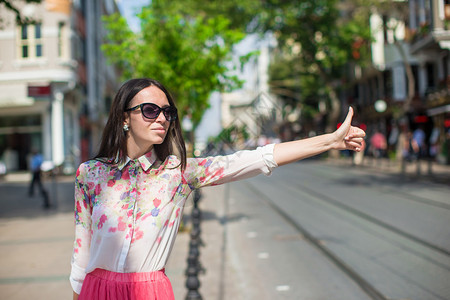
(113, 146)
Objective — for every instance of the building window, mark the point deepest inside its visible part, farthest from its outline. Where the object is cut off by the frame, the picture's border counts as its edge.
(30, 41)
(387, 84)
(415, 71)
(62, 51)
(24, 37)
(431, 71)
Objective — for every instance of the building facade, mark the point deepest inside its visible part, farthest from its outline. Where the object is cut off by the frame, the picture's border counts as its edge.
(253, 108)
(430, 23)
(55, 82)
(409, 73)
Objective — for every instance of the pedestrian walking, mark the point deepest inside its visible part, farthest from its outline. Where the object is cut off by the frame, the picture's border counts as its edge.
(378, 144)
(130, 197)
(418, 137)
(36, 174)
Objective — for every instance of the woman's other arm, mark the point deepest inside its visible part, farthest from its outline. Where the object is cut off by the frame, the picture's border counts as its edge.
(83, 220)
(75, 296)
(346, 137)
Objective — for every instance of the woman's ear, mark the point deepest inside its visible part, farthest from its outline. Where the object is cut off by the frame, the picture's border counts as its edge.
(126, 122)
(126, 118)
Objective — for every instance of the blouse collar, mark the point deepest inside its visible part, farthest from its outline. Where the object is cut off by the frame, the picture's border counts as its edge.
(145, 160)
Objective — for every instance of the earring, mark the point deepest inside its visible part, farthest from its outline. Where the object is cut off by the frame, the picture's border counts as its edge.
(125, 127)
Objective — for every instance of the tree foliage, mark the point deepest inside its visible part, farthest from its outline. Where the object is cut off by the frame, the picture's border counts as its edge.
(20, 19)
(188, 52)
(316, 40)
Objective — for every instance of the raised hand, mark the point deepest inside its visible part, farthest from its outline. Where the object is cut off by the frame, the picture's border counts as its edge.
(348, 136)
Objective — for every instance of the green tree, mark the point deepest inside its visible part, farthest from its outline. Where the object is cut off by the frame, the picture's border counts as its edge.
(9, 5)
(320, 38)
(316, 41)
(190, 53)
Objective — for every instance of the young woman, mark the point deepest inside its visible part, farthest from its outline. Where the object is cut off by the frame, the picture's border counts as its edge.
(130, 198)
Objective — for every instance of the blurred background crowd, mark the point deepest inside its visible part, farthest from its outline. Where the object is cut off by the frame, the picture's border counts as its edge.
(244, 73)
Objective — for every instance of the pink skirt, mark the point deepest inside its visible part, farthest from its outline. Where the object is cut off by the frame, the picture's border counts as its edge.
(106, 285)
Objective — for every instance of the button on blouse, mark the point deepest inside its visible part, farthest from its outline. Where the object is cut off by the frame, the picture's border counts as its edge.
(127, 216)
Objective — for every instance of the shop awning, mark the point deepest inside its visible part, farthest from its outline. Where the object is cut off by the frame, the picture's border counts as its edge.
(438, 110)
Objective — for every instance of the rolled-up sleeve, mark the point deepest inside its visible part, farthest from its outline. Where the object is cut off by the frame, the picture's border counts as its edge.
(240, 165)
(80, 255)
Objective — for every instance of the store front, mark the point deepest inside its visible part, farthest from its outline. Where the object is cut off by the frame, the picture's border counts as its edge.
(19, 135)
(441, 117)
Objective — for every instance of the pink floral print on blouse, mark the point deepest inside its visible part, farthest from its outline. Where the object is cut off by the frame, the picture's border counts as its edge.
(127, 216)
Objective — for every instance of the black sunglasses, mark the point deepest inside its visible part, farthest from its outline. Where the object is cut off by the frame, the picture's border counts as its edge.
(152, 111)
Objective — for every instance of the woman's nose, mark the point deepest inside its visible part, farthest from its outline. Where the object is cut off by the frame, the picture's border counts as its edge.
(161, 117)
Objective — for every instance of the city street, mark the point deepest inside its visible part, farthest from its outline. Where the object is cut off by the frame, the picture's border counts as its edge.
(365, 85)
(312, 230)
(317, 231)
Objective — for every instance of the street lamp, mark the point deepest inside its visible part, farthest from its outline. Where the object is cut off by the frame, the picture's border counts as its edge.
(380, 106)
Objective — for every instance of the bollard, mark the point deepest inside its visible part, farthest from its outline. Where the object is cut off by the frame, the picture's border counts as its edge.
(192, 281)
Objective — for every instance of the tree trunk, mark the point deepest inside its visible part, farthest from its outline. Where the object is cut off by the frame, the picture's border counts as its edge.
(333, 115)
(411, 91)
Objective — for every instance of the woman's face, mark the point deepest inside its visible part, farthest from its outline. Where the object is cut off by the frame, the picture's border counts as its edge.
(143, 132)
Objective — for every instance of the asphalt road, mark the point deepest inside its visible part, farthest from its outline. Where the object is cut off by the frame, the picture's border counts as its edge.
(312, 230)
(317, 231)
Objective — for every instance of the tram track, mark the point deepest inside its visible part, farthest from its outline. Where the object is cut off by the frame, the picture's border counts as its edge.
(339, 204)
(389, 178)
(372, 219)
(365, 285)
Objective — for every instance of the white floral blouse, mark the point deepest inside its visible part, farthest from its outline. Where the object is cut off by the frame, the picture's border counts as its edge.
(127, 216)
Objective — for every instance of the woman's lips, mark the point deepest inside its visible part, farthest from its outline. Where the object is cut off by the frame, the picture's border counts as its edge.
(161, 129)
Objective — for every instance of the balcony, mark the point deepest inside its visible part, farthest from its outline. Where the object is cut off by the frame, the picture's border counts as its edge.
(426, 39)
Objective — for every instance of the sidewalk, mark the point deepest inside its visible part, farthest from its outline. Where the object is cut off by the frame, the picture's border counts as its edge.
(36, 244)
(214, 282)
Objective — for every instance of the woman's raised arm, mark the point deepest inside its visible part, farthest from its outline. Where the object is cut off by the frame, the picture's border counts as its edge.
(345, 137)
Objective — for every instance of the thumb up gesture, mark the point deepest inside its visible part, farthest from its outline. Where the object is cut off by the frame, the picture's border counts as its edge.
(349, 137)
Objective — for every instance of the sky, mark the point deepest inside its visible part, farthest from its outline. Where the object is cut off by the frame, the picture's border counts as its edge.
(210, 124)
(129, 9)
